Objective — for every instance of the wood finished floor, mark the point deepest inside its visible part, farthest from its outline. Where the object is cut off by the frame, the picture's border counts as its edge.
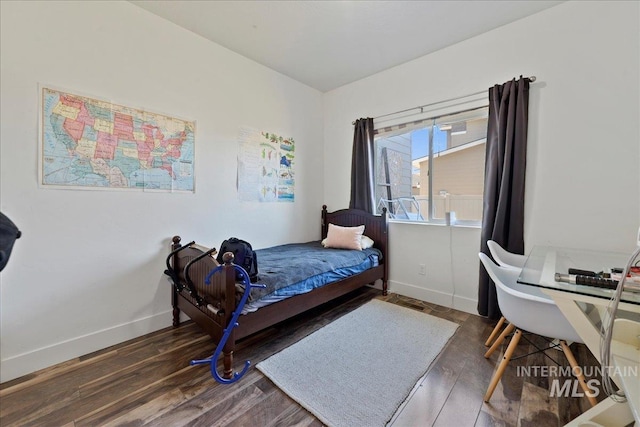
(148, 381)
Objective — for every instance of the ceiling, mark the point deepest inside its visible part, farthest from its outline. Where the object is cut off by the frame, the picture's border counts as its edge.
(327, 44)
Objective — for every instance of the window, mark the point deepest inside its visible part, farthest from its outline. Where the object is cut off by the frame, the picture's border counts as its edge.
(432, 166)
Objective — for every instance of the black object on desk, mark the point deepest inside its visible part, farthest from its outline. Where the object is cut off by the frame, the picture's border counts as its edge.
(595, 281)
(579, 272)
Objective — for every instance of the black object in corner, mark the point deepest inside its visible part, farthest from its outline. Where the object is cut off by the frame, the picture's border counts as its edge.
(8, 235)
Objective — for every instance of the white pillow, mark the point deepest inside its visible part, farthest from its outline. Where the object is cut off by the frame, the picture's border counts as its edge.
(344, 237)
(366, 242)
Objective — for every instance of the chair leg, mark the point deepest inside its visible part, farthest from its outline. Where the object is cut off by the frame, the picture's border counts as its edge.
(495, 331)
(497, 343)
(503, 364)
(578, 373)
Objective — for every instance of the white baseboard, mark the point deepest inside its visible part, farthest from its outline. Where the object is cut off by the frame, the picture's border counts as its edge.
(465, 304)
(444, 299)
(26, 363)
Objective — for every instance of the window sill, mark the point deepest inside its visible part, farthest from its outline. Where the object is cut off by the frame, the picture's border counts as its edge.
(458, 224)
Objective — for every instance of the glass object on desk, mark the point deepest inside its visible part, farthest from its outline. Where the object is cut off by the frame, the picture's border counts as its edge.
(544, 262)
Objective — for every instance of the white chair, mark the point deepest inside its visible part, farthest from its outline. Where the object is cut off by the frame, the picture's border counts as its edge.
(505, 259)
(528, 309)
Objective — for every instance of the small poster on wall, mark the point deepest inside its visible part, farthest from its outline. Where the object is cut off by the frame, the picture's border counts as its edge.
(88, 143)
(265, 166)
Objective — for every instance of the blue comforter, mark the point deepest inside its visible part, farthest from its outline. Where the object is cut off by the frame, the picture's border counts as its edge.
(300, 267)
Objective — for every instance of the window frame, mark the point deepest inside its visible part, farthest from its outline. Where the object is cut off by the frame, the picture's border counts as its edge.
(429, 121)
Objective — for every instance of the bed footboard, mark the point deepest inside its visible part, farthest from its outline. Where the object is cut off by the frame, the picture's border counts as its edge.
(231, 325)
(206, 304)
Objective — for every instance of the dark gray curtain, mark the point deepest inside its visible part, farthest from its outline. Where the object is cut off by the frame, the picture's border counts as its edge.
(362, 166)
(505, 163)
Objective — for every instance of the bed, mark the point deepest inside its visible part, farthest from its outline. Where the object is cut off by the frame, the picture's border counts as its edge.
(208, 305)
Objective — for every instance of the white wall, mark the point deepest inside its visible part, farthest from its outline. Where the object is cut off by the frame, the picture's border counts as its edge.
(583, 179)
(88, 271)
(449, 255)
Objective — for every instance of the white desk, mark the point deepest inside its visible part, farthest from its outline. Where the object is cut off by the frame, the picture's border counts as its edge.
(584, 307)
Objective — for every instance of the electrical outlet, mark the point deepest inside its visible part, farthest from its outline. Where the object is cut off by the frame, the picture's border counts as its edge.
(423, 269)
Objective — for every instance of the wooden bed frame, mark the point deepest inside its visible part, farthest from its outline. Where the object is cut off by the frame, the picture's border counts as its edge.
(208, 306)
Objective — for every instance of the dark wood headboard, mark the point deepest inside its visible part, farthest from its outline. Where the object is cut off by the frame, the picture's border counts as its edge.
(375, 226)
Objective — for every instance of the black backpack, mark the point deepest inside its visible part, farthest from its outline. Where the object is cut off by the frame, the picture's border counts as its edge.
(244, 256)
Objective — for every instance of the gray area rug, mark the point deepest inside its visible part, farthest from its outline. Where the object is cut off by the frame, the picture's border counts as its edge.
(358, 370)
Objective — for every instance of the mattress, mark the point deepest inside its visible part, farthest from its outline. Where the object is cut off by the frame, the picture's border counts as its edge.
(298, 268)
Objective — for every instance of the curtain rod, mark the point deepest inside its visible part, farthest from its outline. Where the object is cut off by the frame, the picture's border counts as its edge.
(531, 79)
